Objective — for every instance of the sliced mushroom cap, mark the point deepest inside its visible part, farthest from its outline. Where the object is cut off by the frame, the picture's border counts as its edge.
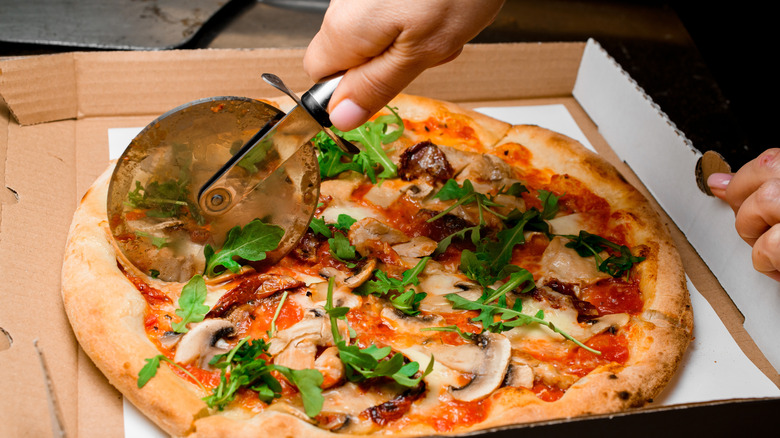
(353, 278)
(489, 368)
(419, 246)
(370, 229)
(201, 342)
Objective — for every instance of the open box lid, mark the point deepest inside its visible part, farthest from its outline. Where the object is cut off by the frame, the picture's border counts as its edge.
(64, 104)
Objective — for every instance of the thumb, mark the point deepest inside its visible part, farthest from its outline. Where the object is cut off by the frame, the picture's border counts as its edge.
(718, 182)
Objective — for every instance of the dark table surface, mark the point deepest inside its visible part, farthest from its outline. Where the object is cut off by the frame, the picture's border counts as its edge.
(707, 69)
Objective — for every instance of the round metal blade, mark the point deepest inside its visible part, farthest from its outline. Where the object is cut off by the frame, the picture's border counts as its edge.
(153, 210)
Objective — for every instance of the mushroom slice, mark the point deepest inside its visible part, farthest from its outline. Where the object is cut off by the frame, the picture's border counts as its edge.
(489, 368)
(201, 342)
(370, 229)
(419, 246)
(351, 279)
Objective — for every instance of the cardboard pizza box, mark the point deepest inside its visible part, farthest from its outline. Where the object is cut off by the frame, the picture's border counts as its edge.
(56, 115)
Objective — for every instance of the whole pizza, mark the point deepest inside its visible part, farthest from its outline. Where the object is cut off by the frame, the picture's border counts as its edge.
(459, 274)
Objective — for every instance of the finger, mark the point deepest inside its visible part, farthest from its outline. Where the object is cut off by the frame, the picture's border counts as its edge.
(751, 176)
(759, 212)
(718, 182)
(766, 253)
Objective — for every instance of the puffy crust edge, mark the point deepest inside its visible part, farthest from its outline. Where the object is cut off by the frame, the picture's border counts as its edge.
(107, 315)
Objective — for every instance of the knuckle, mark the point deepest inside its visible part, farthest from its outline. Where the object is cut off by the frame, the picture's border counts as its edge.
(770, 160)
(768, 192)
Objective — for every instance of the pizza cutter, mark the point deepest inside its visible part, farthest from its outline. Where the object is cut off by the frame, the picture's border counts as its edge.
(210, 165)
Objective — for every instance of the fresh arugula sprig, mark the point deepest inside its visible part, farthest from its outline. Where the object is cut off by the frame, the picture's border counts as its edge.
(158, 242)
(244, 366)
(587, 244)
(340, 248)
(153, 364)
(361, 364)
(373, 134)
(191, 304)
(395, 290)
(251, 242)
(496, 316)
(159, 199)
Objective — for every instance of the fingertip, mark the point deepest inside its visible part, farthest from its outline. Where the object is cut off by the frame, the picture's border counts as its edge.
(718, 182)
(348, 115)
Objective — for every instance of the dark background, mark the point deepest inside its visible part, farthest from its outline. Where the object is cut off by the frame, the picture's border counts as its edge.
(706, 64)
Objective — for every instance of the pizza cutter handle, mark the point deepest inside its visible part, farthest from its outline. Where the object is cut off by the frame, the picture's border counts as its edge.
(316, 100)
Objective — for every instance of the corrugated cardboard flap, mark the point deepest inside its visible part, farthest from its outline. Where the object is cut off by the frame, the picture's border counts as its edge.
(76, 85)
(41, 88)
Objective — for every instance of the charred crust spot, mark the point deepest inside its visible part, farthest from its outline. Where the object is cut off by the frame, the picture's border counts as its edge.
(613, 376)
(624, 395)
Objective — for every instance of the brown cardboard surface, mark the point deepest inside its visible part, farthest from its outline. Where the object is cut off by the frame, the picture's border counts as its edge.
(53, 144)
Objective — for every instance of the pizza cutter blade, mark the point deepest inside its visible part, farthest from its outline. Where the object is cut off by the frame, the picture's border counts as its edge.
(206, 167)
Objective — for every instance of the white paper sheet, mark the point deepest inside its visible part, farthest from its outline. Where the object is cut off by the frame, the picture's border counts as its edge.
(712, 362)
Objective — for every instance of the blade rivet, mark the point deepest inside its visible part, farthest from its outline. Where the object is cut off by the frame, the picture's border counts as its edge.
(216, 200)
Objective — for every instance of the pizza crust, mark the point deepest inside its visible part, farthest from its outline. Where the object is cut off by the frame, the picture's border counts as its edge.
(107, 311)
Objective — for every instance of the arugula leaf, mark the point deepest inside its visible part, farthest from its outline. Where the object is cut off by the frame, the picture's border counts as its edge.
(158, 242)
(344, 222)
(250, 243)
(153, 364)
(191, 307)
(342, 250)
(373, 134)
(471, 337)
(272, 330)
(308, 382)
(393, 289)
(587, 244)
(318, 226)
(333, 160)
(508, 317)
(244, 367)
(549, 204)
(164, 199)
(371, 362)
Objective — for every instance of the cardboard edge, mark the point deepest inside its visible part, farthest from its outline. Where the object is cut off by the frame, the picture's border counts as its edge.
(40, 89)
(606, 119)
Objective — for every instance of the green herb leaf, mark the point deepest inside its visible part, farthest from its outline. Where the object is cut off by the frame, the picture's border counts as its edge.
(395, 290)
(164, 199)
(587, 244)
(244, 367)
(318, 226)
(191, 307)
(373, 134)
(342, 250)
(370, 362)
(149, 370)
(158, 242)
(250, 243)
(153, 364)
(308, 383)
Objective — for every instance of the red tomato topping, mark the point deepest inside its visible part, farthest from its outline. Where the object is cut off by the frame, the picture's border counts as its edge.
(614, 295)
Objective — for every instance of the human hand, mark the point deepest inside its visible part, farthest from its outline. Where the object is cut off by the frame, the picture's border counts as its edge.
(754, 195)
(382, 46)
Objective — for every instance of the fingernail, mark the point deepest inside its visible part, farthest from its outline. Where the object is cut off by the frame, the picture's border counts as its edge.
(348, 115)
(719, 180)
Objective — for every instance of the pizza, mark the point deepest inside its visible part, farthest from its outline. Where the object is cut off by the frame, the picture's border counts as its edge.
(459, 274)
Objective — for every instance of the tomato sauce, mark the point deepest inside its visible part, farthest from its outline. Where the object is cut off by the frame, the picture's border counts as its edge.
(614, 295)
(456, 413)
